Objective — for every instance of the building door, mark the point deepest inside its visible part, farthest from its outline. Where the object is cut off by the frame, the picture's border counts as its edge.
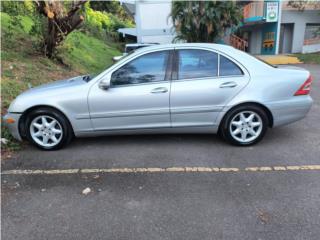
(255, 41)
(286, 35)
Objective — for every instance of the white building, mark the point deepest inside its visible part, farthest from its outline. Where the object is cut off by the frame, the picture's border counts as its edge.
(292, 31)
(153, 23)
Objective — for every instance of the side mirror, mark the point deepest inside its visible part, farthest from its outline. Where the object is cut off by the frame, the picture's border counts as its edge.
(104, 85)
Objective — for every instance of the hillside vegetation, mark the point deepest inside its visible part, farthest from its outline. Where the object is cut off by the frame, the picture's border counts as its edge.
(86, 50)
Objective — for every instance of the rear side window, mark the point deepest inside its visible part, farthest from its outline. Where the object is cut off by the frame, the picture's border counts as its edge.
(147, 68)
(228, 68)
(197, 64)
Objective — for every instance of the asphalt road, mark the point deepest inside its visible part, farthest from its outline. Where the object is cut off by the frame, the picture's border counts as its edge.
(170, 205)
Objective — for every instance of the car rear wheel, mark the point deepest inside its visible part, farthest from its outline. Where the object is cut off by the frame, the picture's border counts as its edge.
(244, 125)
(48, 129)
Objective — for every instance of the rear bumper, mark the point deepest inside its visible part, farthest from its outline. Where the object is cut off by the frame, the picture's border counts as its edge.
(13, 127)
(291, 110)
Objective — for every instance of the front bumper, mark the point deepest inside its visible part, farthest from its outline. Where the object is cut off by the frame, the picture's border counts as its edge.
(14, 126)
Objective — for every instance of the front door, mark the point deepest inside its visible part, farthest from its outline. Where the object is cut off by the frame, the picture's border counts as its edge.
(138, 96)
(200, 89)
(286, 33)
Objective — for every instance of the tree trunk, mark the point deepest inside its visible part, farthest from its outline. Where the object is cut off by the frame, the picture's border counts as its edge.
(59, 24)
(50, 39)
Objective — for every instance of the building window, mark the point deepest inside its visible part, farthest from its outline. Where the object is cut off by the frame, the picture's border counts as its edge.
(312, 34)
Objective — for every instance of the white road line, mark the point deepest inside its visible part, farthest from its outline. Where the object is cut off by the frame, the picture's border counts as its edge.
(158, 170)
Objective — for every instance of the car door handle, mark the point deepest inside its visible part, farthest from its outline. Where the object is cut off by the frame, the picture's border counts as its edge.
(159, 90)
(228, 85)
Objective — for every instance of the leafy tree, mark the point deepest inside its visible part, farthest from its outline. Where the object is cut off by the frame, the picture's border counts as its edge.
(301, 4)
(62, 18)
(112, 7)
(204, 21)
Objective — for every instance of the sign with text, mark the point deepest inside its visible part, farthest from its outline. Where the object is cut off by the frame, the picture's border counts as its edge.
(272, 11)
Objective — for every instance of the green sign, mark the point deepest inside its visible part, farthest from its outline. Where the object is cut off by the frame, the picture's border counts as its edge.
(272, 11)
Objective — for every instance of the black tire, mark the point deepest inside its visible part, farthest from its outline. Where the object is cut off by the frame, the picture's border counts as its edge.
(225, 129)
(67, 132)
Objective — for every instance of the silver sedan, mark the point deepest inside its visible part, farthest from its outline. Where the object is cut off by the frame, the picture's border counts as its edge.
(175, 88)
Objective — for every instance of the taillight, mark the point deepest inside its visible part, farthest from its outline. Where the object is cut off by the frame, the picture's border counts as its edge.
(305, 88)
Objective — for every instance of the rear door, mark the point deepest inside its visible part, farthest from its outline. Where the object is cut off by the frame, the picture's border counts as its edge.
(203, 82)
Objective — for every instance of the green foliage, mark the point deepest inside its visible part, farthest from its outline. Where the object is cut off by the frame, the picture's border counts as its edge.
(12, 144)
(113, 7)
(37, 31)
(309, 58)
(21, 64)
(14, 8)
(102, 24)
(204, 21)
(13, 27)
(83, 51)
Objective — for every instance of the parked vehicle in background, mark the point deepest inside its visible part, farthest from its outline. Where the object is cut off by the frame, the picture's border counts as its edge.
(131, 47)
(174, 88)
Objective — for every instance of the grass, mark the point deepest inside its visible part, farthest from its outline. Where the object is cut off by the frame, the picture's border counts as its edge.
(86, 52)
(21, 63)
(309, 58)
(25, 22)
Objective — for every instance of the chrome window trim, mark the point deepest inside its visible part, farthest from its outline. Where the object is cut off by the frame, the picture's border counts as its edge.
(207, 78)
(218, 64)
(139, 84)
(243, 69)
(194, 79)
(240, 65)
(119, 65)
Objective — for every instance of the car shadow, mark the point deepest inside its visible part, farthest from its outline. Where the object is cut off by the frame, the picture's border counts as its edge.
(147, 139)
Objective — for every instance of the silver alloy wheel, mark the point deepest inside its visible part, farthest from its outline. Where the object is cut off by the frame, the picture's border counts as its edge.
(46, 131)
(246, 126)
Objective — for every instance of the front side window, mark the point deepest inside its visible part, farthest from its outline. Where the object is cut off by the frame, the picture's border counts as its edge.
(148, 68)
(197, 64)
(228, 68)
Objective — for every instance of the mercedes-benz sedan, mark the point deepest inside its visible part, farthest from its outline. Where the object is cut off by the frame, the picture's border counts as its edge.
(175, 88)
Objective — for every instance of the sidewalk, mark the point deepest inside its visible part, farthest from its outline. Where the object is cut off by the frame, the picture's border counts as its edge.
(279, 59)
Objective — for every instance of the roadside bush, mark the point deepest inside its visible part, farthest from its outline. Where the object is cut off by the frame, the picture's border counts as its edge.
(21, 17)
(102, 24)
(15, 8)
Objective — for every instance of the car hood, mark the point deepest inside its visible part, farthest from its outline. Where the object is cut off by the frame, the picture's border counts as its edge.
(56, 85)
(47, 92)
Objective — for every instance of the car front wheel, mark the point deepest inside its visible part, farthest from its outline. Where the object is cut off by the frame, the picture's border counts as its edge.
(245, 125)
(48, 129)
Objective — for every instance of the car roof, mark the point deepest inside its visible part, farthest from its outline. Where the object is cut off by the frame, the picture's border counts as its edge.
(177, 45)
(140, 44)
(229, 50)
